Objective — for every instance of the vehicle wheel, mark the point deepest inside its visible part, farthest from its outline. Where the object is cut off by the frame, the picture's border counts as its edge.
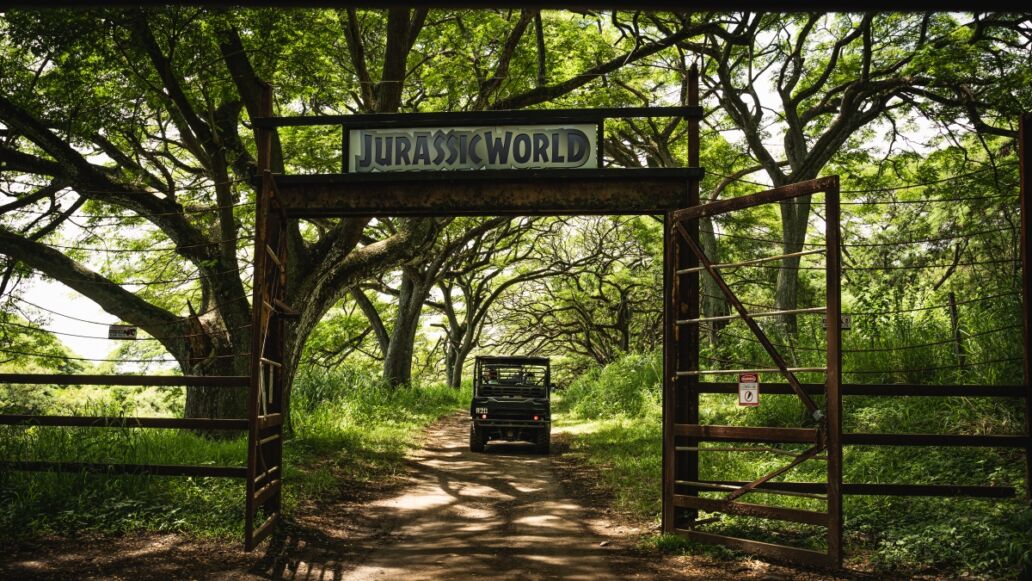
(476, 441)
(544, 439)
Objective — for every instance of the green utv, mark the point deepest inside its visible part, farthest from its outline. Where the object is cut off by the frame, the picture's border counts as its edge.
(511, 401)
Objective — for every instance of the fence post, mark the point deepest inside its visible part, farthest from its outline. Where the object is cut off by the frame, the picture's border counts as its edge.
(1025, 168)
(958, 344)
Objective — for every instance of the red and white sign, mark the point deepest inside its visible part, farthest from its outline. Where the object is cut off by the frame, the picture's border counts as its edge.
(749, 389)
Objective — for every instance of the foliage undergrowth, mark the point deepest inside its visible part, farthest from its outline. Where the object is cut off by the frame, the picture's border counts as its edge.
(345, 428)
(613, 416)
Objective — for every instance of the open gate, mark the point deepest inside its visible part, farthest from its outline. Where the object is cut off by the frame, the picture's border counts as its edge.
(684, 435)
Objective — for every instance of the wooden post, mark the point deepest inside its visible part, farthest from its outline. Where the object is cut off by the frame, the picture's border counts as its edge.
(833, 391)
(681, 344)
(1025, 169)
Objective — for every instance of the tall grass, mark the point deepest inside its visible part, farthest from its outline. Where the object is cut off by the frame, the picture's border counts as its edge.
(345, 428)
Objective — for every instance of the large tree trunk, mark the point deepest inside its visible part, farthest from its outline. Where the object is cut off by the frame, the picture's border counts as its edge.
(795, 215)
(397, 362)
(713, 302)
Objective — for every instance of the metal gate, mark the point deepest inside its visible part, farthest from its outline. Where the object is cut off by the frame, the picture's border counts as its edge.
(683, 435)
(269, 311)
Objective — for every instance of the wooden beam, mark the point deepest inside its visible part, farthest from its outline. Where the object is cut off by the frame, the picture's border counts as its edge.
(747, 434)
(756, 510)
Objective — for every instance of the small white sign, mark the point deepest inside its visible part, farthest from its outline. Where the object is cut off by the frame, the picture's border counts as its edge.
(749, 389)
(122, 332)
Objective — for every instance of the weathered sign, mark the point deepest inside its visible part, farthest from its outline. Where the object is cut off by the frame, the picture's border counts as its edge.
(749, 389)
(471, 148)
(123, 332)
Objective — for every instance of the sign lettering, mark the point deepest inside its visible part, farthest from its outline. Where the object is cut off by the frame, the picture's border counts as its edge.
(434, 149)
(122, 332)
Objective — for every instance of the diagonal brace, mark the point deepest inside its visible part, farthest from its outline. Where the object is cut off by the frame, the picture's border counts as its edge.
(753, 326)
(803, 457)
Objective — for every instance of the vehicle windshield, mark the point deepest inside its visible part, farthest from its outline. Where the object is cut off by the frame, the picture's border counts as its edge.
(512, 379)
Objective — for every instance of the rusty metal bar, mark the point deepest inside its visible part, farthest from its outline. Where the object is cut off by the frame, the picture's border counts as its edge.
(766, 197)
(753, 261)
(833, 378)
(123, 422)
(796, 554)
(747, 488)
(978, 441)
(264, 139)
(721, 487)
(752, 315)
(1025, 170)
(768, 435)
(860, 489)
(265, 529)
(134, 380)
(151, 469)
(699, 372)
(766, 449)
(880, 389)
(755, 510)
(608, 191)
(811, 407)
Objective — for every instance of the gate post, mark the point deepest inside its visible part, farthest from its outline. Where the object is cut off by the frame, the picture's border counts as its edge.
(681, 300)
(833, 385)
(1025, 169)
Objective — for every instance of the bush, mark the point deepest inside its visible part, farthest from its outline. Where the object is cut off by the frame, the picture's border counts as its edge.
(629, 387)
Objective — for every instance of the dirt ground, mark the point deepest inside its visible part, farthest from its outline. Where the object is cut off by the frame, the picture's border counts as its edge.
(504, 514)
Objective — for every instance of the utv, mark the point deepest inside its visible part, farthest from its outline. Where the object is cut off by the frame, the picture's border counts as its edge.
(511, 401)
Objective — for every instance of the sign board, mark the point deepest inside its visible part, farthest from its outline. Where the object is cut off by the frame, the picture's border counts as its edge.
(847, 322)
(122, 332)
(749, 389)
(565, 146)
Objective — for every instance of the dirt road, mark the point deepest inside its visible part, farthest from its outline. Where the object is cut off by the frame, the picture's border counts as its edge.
(500, 514)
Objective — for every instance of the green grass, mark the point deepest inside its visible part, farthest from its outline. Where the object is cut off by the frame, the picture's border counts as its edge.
(986, 537)
(345, 429)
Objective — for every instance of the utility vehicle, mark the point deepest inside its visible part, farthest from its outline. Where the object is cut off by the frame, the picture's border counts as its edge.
(511, 401)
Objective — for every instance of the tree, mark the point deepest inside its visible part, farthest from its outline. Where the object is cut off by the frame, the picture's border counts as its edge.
(835, 75)
(609, 305)
(518, 252)
(143, 115)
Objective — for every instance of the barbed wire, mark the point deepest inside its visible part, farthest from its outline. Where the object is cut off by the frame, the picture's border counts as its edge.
(74, 318)
(101, 337)
(151, 282)
(119, 219)
(956, 366)
(886, 188)
(134, 250)
(101, 360)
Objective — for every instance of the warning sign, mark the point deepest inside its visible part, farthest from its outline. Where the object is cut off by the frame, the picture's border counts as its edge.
(122, 332)
(749, 389)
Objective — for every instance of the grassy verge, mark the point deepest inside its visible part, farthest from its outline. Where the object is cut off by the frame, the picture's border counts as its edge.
(346, 430)
(952, 536)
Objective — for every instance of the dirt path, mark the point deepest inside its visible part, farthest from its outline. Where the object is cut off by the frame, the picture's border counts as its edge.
(504, 514)
(500, 514)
